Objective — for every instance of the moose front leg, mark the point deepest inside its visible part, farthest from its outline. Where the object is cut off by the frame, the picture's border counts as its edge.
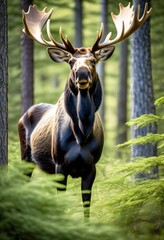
(60, 170)
(86, 186)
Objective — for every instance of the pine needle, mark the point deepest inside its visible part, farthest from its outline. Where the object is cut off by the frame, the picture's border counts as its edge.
(149, 138)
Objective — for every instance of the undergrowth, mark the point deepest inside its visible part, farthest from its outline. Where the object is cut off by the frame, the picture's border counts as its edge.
(138, 203)
(125, 208)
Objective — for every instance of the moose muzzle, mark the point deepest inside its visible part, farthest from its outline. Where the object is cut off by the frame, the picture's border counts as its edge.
(83, 78)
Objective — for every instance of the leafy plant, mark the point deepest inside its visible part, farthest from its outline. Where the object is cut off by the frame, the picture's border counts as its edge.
(31, 209)
(139, 205)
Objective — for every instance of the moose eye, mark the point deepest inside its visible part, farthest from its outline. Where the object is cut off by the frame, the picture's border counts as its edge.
(93, 61)
(72, 62)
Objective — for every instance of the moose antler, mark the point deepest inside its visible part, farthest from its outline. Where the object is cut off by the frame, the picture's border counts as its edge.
(126, 22)
(34, 22)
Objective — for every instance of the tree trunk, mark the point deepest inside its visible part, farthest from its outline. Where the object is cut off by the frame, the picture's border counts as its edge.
(27, 62)
(142, 87)
(78, 23)
(122, 94)
(3, 84)
(101, 65)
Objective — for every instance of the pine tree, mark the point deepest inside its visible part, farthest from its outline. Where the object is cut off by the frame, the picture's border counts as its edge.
(122, 94)
(27, 62)
(142, 86)
(78, 23)
(3, 82)
(101, 65)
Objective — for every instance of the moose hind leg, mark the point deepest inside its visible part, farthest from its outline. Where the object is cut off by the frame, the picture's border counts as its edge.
(25, 147)
(45, 163)
(86, 185)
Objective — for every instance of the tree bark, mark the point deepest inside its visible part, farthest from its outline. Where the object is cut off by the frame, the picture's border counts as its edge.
(122, 94)
(101, 65)
(27, 65)
(142, 87)
(78, 23)
(3, 83)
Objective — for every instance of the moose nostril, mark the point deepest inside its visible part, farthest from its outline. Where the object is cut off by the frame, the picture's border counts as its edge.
(83, 74)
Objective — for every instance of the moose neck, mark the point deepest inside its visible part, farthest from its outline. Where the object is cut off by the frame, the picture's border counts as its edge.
(81, 106)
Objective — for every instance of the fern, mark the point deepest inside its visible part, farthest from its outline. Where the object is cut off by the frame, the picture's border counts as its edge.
(144, 120)
(139, 204)
(159, 101)
(137, 166)
(149, 138)
(30, 209)
(139, 194)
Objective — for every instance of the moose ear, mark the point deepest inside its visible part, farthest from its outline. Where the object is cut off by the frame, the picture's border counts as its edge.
(104, 53)
(58, 55)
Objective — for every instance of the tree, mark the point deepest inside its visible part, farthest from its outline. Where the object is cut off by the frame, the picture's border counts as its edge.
(101, 65)
(142, 87)
(27, 61)
(78, 23)
(3, 83)
(122, 94)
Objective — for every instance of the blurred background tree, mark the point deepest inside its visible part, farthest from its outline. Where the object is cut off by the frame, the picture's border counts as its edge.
(78, 23)
(122, 93)
(101, 65)
(3, 83)
(27, 65)
(142, 93)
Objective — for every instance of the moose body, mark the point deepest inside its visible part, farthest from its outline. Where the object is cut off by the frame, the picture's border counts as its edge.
(67, 138)
(61, 141)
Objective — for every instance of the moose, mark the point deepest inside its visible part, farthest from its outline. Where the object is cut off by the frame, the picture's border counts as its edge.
(67, 137)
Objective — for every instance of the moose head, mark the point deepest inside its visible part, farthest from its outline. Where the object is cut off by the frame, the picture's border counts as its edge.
(83, 60)
(68, 137)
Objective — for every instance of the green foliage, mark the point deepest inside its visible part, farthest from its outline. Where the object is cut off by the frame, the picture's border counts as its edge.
(123, 207)
(144, 120)
(140, 207)
(159, 101)
(137, 166)
(149, 138)
(31, 209)
(138, 203)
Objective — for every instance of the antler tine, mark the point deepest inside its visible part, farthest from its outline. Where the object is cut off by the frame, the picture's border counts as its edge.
(66, 45)
(56, 44)
(34, 22)
(146, 13)
(99, 36)
(66, 42)
(126, 22)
